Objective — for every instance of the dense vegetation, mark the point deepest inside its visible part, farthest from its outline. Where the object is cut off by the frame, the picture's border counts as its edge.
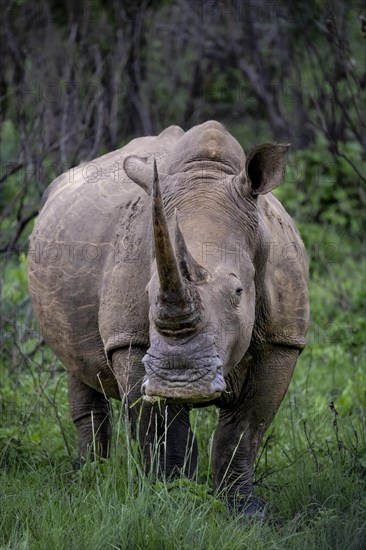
(82, 79)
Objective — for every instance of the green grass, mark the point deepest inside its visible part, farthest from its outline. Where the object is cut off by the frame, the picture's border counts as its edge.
(311, 469)
(315, 486)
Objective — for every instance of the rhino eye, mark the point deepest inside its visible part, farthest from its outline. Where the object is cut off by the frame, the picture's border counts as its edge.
(239, 291)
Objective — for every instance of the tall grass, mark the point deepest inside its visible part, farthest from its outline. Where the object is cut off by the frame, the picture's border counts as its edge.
(315, 485)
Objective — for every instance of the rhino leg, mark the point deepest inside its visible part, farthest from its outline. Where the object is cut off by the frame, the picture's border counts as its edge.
(178, 447)
(168, 444)
(163, 431)
(90, 414)
(256, 396)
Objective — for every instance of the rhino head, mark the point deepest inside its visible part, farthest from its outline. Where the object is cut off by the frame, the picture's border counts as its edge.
(203, 306)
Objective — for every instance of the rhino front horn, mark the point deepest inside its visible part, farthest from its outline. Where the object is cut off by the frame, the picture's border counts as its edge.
(179, 306)
(170, 278)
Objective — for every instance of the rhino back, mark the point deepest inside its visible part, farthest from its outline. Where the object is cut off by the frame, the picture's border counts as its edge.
(89, 261)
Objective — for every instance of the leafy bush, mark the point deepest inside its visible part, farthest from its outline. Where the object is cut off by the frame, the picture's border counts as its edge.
(322, 189)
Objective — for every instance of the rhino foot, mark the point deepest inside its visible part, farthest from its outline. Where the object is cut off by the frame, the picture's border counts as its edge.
(249, 506)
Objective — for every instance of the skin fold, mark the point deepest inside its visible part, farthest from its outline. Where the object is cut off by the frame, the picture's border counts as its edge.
(171, 287)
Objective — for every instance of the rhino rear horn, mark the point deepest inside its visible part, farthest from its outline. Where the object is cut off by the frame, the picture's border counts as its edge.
(188, 266)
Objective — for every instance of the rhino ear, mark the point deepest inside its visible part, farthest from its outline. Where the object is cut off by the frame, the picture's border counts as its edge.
(139, 171)
(265, 166)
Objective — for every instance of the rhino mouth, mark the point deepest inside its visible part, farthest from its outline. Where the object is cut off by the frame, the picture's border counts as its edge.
(175, 376)
(155, 388)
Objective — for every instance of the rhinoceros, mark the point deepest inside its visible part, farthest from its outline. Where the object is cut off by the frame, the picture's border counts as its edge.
(167, 275)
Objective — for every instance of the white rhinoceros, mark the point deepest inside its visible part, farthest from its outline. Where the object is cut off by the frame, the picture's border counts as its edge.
(188, 289)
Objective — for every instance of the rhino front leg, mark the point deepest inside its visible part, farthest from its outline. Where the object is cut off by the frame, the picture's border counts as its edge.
(178, 451)
(163, 431)
(90, 414)
(168, 444)
(257, 394)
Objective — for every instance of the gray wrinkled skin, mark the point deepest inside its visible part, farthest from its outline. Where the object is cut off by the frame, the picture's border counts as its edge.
(204, 301)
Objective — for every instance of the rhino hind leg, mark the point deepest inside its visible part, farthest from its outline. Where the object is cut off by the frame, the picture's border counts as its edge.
(90, 414)
(243, 421)
(167, 443)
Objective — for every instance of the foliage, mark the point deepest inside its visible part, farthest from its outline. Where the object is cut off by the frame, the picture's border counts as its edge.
(321, 189)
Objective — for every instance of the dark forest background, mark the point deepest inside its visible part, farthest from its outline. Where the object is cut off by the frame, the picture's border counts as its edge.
(82, 78)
